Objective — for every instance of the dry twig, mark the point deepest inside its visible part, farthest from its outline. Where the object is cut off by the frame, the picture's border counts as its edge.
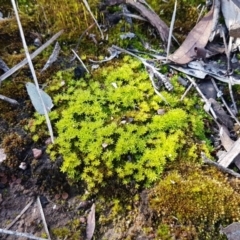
(89, 10)
(171, 28)
(32, 70)
(20, 234)
(187, 90)
(152, 73)
(224, 102)
(10, 100)
(80, 60)
(19, 216)
(203, 97)
(223, 169)
(43, 218)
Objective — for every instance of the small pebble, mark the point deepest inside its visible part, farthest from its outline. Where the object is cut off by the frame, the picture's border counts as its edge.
(64, 195)
(160, 111)
(3, 156)
(82, 220)
(79, 72)
(114, 85)
(104, 145)
(48, 141)
(23, 166)
(57, 196)
(43, 200)
(84, 204)
(37, 153)
(37, 42)
(234, 59)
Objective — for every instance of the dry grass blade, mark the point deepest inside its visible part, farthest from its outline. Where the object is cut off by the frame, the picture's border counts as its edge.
(171, 29)
(19, 216)
(89, 10)
(80, 60)
(230, 82)
(32, 69)
(224, 102)
(203, 97)
(43, 218)
(134, 16)
(150, 68)
(185, 93)
(19, 234)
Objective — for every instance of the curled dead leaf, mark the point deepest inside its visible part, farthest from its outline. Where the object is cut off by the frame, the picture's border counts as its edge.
(198, 37)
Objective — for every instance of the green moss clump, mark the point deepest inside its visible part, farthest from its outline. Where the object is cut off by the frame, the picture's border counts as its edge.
(195, 202)
(108, 128)
(14, 146)
(73, 231)
(72, 16)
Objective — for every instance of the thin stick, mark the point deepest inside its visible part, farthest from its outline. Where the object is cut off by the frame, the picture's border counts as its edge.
(227, 51)
(33, 55)
(231, 94)
(203, 97)
(171, 29)
(19, 216)
(188, 89)
(43, 218)
(84, 32)
(20, 234)
(151, 76)
(10, 100)
(147, 65)
(223, 169)
(32, 70)
(80, 60)
(89, 10)
(224, 102)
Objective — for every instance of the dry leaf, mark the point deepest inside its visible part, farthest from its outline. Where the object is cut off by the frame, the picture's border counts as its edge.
(231, 14)
(226, 141)
(152, 17)
(232, 231)
(198, 37)
(90, 223)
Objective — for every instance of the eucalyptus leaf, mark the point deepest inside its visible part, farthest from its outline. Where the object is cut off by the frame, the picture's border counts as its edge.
(35, 99)
(91, 223)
